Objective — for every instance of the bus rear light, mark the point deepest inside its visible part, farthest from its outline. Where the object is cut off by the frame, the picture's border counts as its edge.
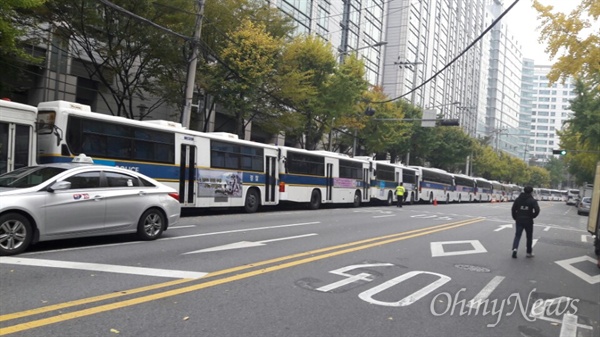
(174, 195)
(281, 187)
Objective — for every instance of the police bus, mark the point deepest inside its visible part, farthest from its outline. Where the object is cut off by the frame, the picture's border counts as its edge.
(322, 177)
(17, 135)
(210, 170)
(385, 176)
(465, 188)
(434, 185)
(483, 190)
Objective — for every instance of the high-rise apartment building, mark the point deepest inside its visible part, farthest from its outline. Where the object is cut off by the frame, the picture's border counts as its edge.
(504, 86)
(527, 92)
(550, 109)
(423, 38)
(349, 25)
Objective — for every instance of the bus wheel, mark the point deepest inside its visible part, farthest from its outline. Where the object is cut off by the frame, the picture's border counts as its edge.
(356, 202)
(252, 201)
(390, 199)
(315, 200)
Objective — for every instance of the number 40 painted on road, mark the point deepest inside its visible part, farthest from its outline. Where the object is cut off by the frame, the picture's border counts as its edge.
(368, 294)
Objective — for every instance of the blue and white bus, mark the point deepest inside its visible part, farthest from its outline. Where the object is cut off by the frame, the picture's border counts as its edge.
(17, 135)
(322, 177)
(434, 185)
(497, 191)
(484, 190)
(465, 188)
(208, 170)
(385, 176)
(384, 179)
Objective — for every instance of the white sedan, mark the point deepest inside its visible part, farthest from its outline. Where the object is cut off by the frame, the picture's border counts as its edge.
(79, 199)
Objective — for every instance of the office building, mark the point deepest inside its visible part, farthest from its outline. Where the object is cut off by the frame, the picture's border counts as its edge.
(550, 109)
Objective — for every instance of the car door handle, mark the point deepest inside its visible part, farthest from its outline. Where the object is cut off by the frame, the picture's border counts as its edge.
(98, 197)
(142, 193)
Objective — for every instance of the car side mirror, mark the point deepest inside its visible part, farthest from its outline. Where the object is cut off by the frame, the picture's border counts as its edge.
(59, 186)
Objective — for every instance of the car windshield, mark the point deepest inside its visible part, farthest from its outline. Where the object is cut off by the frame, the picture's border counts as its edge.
(29, 176)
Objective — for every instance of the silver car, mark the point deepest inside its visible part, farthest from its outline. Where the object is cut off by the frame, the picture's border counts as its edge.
(583, 207)
(71, 200)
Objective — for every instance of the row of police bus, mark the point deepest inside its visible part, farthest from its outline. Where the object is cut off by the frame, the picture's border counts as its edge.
(212, 170)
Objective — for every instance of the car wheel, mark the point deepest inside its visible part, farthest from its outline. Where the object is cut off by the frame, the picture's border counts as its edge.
(315, 200)
(15, 234)
(252, 201)
(151, 224)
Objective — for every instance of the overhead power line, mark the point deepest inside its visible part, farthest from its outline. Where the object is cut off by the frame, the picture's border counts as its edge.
(454, 59)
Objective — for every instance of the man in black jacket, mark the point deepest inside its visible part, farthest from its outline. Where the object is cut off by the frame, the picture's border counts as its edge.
(524, 210)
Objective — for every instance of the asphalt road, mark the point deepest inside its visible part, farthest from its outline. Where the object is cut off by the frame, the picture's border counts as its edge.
(420, 270)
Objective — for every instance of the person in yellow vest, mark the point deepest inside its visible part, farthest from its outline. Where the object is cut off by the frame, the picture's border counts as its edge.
(400, 194)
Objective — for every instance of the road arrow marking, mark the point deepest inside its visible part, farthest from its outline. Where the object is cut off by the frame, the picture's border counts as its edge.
(246, 244)
(502, 227)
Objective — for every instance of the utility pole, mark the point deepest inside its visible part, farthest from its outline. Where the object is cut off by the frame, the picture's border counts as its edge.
(191, 74)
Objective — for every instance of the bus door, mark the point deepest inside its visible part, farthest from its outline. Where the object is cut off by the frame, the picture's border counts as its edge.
(329, 181)
(417, 187)
(270, 180)
(187, 175)
(366, 184)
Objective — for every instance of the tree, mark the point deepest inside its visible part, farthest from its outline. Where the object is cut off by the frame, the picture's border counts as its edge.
(556, 168)
(539, 177)
(572, 38)
(123, 53)
(12, 26)
(222, 20)
(452, 146)
(16, 64)
(581, 134)
(323, 97)
(240, 83)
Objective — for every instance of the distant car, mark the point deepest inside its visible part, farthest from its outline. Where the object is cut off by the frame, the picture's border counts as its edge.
(583, 208)
(80, 199)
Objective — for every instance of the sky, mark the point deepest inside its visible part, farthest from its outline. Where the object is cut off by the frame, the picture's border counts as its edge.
(522, 20)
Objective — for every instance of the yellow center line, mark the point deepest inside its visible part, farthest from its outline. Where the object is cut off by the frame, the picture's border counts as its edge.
(369, 243)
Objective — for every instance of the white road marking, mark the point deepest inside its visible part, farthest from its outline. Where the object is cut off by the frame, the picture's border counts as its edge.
(503, 227)
(547, 228)
(568, 265)
(485, 292)
(569, 326)
(246, 244)
(384, 216)
(351, 278)
(437, 248)
(583, 238)
(533, 242)
(108, 268)
(241, 230)
(173, 238)
(179, 227)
